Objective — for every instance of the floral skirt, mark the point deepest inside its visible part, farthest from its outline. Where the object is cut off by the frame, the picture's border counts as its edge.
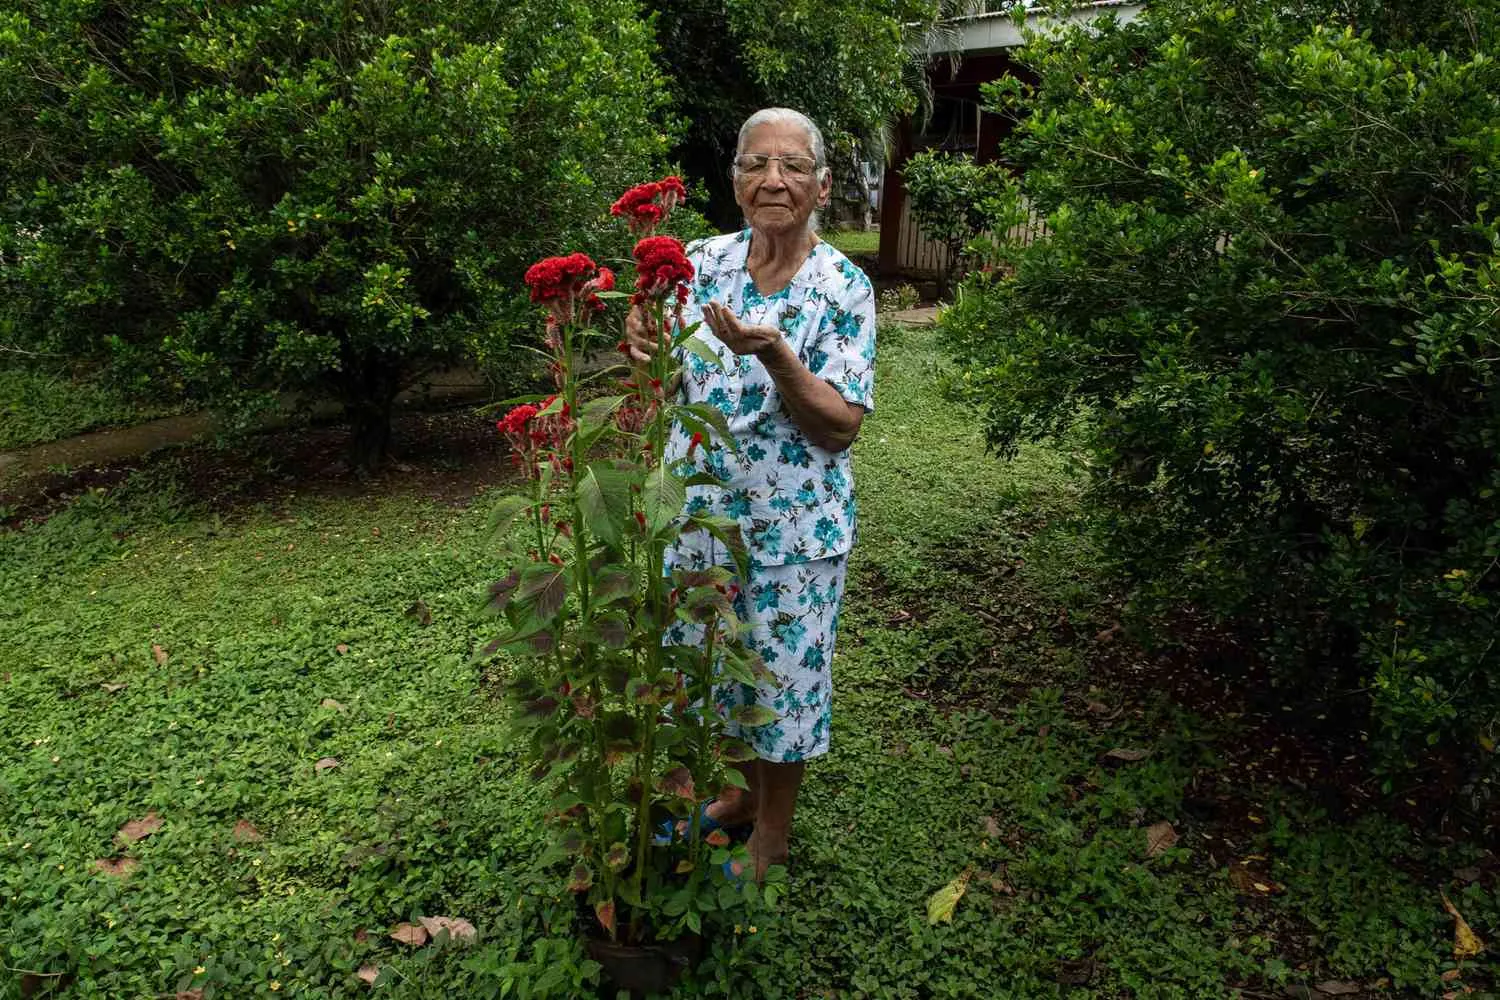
(791, 616)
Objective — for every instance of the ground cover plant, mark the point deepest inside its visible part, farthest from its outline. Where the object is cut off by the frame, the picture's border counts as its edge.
(264, 717)
(37, 406)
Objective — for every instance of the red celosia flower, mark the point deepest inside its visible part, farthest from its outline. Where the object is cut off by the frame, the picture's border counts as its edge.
(693, 445)
(661, 266)
(561, 283)
(673, 193)
(559, 277)
(644, 206)
(516, 420)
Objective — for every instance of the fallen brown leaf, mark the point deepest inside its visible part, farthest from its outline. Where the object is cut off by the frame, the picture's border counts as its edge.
(1466, 944)
(1241, 878)
(1130, 756)
(330, 703)
(1338, 988)
(159, 653)
(1160, 837)
(369, 973)
(1451, 975)
(458, 928)
(326, 764)
(245, 832)
(137, 829)
(412, 934)
(189, 995)
(119, 867)
(992, 827)
(342, 648)
(112, 688)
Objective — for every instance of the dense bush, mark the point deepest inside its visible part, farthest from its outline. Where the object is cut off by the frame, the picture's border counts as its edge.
(954, 201)
(1270, 297)
(296, 195)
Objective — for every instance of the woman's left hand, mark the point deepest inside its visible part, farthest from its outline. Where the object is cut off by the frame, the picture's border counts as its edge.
(741, 338)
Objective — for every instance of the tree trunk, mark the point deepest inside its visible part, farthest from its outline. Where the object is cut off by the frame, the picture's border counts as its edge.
(862, 183)
(369, 436)
(370, 385)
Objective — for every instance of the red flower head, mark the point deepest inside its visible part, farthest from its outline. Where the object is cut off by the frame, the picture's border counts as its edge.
(644, 206)
(661, 266)
(562, 282)
(559, 277)
(673, 193)
(516, 420)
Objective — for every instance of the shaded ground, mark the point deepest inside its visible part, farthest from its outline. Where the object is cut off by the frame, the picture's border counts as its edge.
(109, 447)
(171, 640)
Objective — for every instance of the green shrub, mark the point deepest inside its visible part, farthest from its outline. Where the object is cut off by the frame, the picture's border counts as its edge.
(953, 200)
(292, 195)
(1269, 296)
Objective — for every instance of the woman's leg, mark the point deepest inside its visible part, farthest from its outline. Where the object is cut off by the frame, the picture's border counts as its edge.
(776, 800)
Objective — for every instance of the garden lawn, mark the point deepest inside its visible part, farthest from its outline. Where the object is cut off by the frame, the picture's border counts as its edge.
(854, 241)
(324, 766)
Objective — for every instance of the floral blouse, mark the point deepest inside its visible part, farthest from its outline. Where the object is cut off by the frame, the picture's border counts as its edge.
(794, 501)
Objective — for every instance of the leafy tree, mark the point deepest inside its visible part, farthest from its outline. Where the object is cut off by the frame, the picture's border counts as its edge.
(839, 61)
(1269, 300)
(297, 195)
(954, 201)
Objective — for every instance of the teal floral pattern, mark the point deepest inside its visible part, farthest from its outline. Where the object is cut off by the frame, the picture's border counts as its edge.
(793, 500)
(793, 615)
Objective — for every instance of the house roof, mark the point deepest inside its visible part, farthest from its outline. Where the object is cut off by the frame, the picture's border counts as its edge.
(999, 31)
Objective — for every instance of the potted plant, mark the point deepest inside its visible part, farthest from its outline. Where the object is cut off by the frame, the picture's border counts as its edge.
(621, 727)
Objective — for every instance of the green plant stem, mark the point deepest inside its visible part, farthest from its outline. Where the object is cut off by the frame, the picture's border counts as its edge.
(705, 705)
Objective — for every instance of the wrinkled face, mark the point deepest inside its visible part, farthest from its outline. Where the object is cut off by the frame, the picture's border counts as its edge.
(777, 199)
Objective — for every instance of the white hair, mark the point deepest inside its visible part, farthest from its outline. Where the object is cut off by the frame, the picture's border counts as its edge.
(788, 116)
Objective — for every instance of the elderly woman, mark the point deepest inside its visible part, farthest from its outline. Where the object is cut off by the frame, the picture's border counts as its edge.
(793, 323)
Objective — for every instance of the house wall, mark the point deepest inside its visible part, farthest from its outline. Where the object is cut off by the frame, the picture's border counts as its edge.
(985, 46)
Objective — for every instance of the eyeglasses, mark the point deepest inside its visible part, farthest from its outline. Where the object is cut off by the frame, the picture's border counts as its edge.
(756, 163)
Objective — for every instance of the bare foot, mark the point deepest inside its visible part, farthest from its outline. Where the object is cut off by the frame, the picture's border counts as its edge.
(736, 809)
(767, 848)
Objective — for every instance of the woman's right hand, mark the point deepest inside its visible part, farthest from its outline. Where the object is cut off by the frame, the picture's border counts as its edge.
(640, 335)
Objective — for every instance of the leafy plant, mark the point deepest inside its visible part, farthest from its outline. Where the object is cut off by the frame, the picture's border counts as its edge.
(1267, 304)
(954, 201)
(246, 199)
(622, 727)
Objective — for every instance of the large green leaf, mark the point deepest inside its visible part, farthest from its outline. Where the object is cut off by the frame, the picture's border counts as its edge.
(604, 499)
(696, 346)
(546, 587)
(506, 510)
(754, 715)
(713, 417)
(663, 498)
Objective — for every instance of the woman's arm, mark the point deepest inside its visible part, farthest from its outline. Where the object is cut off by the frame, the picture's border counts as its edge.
(818, 409)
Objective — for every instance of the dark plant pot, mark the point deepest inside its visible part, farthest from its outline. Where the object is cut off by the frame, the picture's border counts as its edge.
(645, 969)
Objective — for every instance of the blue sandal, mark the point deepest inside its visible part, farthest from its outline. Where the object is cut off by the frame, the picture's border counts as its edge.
(667, 832)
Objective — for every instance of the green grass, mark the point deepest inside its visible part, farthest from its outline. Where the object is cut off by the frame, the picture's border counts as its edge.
(37, 407)
(960, 743)
(851, 241)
